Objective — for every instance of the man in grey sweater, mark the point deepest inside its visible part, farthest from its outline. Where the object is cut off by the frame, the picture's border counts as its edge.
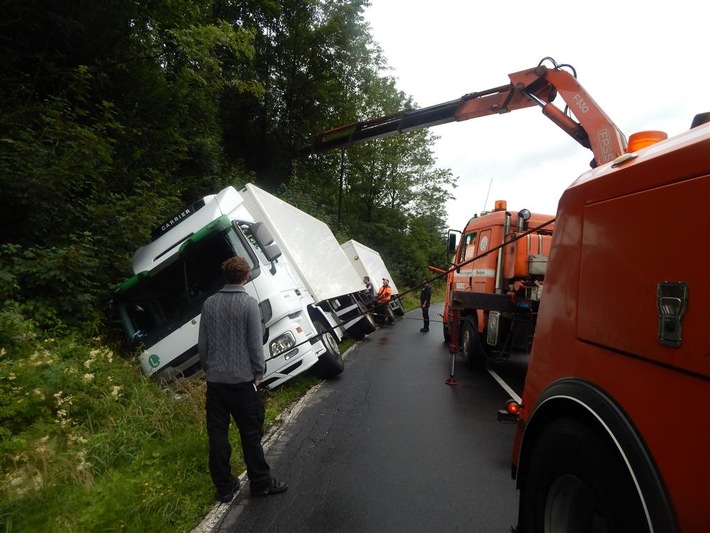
(231, 354)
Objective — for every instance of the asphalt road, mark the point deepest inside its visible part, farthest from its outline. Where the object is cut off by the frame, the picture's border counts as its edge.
(390, 447)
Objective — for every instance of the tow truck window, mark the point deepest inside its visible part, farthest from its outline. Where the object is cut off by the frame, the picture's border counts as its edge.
(469, 250)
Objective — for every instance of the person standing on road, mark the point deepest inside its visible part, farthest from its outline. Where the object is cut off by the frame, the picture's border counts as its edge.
(425, 301)
(231, 354)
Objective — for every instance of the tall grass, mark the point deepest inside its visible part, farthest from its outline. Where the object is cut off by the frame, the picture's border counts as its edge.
(87, 443)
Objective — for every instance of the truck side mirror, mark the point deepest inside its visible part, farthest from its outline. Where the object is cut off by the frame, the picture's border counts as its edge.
(272, 252)
(262, 234)
(266, 241)
(452, 243)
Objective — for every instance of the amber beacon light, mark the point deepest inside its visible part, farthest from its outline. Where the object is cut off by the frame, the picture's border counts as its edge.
(642, 139)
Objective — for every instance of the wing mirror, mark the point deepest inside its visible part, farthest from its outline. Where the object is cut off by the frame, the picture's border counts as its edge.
(266, 241)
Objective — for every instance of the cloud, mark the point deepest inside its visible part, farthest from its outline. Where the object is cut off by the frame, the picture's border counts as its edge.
(645, 66)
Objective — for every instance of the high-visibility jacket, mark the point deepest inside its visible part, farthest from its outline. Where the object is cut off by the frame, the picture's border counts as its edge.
(384, 294)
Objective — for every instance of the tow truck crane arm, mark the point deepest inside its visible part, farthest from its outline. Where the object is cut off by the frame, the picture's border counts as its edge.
(535, 86)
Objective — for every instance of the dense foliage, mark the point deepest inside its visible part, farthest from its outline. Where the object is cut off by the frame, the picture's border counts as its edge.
(117, 113)
(113, 115)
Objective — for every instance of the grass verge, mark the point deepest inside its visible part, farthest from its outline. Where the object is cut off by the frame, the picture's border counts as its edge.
(87, 443)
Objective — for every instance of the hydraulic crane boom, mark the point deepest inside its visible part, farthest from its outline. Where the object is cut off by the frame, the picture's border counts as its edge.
(536, 86)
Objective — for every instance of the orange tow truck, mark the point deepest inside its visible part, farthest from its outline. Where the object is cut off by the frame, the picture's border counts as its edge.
(494, 289)
(610, 431)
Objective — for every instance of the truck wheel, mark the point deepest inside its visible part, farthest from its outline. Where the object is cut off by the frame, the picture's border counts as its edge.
(576, 481)
(471, 346)
(397, 308)
(447, 333)
(330, 363)
(362, 327)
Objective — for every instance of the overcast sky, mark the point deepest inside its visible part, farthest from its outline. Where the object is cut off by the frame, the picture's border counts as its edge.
(646, 64)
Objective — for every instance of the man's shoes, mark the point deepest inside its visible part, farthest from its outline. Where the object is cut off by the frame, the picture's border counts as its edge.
(424, 330)
(229, 495)
(275, 488)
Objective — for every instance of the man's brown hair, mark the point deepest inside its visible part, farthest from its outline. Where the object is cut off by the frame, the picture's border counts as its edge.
(236, 270)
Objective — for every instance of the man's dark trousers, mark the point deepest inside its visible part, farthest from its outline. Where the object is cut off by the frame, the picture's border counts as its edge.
(246, 406)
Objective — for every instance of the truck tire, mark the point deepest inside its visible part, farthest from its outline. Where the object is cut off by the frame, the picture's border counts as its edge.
(576, 481)
(362, 327)
(397, 308)
(472, 349)
(447, 333)
(330, 363)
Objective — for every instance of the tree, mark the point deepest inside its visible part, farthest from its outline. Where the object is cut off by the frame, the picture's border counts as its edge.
(106, 107)
(116, 113)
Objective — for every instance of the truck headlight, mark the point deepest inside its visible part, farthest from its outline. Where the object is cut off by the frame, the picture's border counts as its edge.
(282, 343)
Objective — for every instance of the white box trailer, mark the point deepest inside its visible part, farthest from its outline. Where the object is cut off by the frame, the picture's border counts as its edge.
(308, 243)
(368, 262)
(159, 306)
(312, 249)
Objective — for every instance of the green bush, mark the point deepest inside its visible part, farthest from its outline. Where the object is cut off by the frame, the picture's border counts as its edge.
(56, 285)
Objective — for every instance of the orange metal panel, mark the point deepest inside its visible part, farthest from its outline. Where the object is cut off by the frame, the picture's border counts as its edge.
(627, 263)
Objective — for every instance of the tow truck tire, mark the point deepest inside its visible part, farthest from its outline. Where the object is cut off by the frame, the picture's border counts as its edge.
(330, 363)
(576, 481)
(447, 333)
(471, 347)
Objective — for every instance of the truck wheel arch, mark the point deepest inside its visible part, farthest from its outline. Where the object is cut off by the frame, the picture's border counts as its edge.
(583, 402)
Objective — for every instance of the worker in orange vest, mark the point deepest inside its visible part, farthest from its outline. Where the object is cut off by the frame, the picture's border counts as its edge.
(382, 309)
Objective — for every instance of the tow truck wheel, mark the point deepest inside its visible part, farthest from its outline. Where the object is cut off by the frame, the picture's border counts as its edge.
(576, 481)
(330, 363)
(471, 347)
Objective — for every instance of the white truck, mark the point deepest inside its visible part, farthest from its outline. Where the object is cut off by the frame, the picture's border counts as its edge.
(368, 262)
(308, 292)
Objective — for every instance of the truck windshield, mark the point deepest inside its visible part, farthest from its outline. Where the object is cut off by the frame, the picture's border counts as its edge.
(151, 305)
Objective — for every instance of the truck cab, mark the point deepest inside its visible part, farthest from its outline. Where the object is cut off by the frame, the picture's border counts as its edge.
(159, 306)
(495, 283)
(608, 432)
